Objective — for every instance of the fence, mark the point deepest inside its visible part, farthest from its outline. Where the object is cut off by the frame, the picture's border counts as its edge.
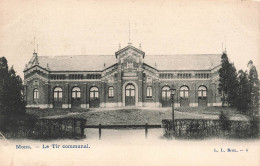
(100, 127)
(59, 128)
(200, 128)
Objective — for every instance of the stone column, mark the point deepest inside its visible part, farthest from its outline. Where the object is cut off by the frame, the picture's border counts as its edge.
(210, 95)
(119, 88)
(102, 94)
(87, 95)
(140, 88)
(46, 101)
(84, 96)
(65, 96)
(68, 95)
(157, 94)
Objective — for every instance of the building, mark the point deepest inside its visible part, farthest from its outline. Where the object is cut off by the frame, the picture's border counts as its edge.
(128, 78)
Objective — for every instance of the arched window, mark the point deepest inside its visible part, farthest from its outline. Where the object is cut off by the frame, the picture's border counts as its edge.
(149, 92)
(57, 94)
(75, 92)
(166, 91)
(202, 91)
(94, 92)
(130, 90)
(184, 92)
(111, 91)
(36, 94)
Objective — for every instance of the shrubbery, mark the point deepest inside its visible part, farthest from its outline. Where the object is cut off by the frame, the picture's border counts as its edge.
(254, 126)
(14, 122)
(225, 123)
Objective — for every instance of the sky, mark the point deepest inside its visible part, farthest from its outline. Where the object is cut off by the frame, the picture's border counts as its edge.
(85, 27)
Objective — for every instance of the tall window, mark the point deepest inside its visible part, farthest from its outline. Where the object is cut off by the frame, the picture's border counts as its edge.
(94, 92)
(35, 94)
(184, 92)
(57, 94)
(202, 91)
(149, 92)
(166, 92)
(75, 92)
(111, 91)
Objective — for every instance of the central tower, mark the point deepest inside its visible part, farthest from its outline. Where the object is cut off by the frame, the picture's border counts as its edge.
(130, 75)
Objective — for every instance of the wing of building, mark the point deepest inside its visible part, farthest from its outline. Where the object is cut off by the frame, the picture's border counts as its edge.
(128, 78)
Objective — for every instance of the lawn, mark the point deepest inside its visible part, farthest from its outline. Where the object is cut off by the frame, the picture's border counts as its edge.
(136, 116)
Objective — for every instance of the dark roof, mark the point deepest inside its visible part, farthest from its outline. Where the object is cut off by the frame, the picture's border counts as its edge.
(96, 62)
(184, 62)
(77, 62)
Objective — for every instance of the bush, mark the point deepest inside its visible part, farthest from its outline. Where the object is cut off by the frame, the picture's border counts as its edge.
(17, 126)
(225, 123)
(254, 126)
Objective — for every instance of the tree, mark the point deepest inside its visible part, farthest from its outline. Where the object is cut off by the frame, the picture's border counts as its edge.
(3, 79)
(253, 85)
(243, 97)
(13, 99)
(227, 81)
(12, 106)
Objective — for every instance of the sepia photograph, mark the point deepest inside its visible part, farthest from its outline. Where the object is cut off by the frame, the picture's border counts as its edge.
(134, 82)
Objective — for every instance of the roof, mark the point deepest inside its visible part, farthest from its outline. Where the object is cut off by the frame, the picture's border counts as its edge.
(184, 61)
(96, 62)
(77, 62)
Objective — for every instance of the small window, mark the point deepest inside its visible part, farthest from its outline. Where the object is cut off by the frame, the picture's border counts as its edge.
(149, 92)
(36, 83)
(35, 94)
(111, 91)
(149, 80)
(130, 65)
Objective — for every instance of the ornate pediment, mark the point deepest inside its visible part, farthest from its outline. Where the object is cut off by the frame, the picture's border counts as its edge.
(130, 58)
(35, 76)
(36, 68)
(130, 50)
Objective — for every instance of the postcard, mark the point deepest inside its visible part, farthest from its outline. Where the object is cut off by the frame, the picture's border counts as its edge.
(129, 82)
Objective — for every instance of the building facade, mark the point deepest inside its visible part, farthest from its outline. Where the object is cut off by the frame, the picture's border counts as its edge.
(128, 78)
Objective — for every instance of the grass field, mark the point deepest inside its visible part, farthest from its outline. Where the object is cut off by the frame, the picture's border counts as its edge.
(134, 116)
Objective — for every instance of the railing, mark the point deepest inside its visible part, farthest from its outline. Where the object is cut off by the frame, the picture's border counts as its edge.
(198, 128)
(100, 127)
(59, 128)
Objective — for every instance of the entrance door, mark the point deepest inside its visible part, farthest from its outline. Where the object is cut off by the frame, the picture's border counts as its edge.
(184, 96)
(57, 98)
(75, 97)
(166, 97)
(130, 95)
(94, 97)
(202, 96)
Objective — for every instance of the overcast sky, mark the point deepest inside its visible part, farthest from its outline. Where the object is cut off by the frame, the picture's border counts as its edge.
(97, 28)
